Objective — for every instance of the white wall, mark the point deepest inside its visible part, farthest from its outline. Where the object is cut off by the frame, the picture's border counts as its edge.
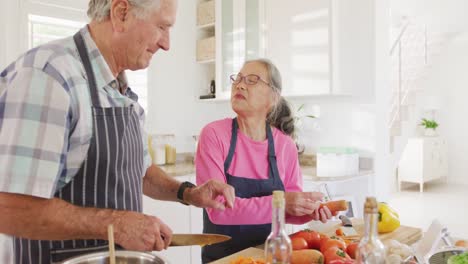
(448, 80)
(447, 15)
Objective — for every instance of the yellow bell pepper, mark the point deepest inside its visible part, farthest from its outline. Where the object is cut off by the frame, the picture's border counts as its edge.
(388, 219)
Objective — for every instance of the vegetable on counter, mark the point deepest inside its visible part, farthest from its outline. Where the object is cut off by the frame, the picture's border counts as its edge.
(388, 219)
(244, 260)
(307, 256)
(459, 259)
(311, 237)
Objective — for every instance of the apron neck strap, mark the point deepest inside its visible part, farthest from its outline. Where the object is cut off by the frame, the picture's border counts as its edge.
(271, 150)
(83, 52)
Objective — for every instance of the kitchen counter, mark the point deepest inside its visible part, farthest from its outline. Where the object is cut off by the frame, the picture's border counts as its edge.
(184, 166)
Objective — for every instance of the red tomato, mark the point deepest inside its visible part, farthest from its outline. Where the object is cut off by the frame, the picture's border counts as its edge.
(299, 243)
(323, 239)
(333, 254)
(312, 238)
(351, 249)
(339, 232)
(332, 242)
(342, 261)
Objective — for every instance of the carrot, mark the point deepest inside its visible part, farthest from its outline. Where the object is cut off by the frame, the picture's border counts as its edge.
(306, 256)
(336, 206)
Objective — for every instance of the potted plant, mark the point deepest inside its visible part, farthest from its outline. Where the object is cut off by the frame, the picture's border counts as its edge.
(429, 127)
(298, 124)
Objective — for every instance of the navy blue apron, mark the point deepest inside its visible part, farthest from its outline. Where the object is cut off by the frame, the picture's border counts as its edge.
(243, 236)
(110, 177)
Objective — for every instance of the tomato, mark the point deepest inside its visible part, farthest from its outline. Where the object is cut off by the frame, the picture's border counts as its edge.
(342, 261)
(351, 249)
(334, 253)
(339, 232)
(299, 243)
(312, 238)
(323, 239)
(333, 242)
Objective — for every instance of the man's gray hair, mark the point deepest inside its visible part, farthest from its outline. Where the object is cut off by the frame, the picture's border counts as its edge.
(98, 10)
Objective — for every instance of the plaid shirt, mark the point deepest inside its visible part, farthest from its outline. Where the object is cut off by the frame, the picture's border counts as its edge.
(45, 115)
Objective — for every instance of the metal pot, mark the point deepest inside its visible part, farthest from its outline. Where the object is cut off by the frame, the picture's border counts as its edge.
(442, 256)
(121, 257)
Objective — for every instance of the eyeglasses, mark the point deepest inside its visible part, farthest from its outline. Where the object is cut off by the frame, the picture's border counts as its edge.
(250, 79)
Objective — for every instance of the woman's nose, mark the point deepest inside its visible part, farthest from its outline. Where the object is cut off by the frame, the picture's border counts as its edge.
(240, 86)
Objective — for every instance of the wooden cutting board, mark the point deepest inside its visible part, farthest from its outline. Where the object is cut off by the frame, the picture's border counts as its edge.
(404, 234)
(255, 253)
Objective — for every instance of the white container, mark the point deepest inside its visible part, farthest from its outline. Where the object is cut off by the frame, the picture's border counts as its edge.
(159, 149)
(337, 162)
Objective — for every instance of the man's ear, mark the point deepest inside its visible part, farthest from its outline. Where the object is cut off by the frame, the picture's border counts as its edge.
(119, 14)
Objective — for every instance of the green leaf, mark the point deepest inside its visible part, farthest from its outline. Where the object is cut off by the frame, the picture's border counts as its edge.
(300, 107)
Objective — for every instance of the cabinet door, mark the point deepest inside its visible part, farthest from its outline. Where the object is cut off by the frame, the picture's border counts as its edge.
(177, 217)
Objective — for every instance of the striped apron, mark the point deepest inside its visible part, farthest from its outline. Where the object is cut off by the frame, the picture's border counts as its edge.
(110, 177)
(243, 236)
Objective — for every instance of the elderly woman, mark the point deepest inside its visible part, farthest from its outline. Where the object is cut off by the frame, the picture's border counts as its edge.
(254, 153)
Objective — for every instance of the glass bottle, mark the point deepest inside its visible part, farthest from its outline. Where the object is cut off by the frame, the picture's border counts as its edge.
(371, 250)
(278, 247)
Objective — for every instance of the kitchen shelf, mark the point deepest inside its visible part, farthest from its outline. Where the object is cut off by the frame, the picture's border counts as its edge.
(209, 26)
(206, 61)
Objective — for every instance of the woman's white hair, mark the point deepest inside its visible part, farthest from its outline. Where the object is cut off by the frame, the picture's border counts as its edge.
(98, 10)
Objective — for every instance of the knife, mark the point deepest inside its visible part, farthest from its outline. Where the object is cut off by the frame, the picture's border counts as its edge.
(347, 226)
(197, 239)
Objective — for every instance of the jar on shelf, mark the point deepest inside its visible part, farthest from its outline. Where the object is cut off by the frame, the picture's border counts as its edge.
(170, 149)
(157, 149)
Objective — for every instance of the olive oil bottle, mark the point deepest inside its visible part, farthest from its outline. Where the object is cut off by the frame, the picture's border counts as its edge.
(371, 249)
(278, 248)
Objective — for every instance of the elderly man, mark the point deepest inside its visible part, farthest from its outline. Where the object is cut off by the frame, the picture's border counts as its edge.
(72, 155)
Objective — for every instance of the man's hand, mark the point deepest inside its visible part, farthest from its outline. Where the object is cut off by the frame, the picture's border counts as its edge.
(205, 195)
(136, 231)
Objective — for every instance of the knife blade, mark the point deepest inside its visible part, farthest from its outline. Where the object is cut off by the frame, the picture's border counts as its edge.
(347, 226)
(197, 239)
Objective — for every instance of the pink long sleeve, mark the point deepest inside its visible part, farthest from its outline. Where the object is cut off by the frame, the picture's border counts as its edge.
(249, 161)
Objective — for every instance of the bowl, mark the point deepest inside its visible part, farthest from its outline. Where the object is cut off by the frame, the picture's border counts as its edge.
(121, 257)
(442, 256)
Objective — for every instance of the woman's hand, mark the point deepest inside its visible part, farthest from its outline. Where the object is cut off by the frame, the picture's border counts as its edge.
(306, 204)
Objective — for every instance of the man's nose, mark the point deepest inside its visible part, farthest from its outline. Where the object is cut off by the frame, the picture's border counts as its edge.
(164, 41)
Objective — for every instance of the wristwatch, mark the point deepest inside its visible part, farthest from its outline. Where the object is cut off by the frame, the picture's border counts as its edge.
(180, 192)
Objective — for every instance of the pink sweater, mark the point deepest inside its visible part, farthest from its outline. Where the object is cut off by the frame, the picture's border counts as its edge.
(249, 161)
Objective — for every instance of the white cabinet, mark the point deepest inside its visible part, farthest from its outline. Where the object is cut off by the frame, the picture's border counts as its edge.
(181, 219)
(234, 36)
(424, 159)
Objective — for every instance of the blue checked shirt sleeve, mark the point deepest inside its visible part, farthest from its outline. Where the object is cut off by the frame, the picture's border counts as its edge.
(34, 128)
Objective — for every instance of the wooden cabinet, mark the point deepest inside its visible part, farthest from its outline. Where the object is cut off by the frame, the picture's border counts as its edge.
(181, 219)
(423, 159)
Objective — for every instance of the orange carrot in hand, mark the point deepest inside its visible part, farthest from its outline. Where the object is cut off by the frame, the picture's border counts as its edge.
(336, 206)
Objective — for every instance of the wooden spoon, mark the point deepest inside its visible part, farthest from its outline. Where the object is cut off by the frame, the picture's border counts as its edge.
(110, 235)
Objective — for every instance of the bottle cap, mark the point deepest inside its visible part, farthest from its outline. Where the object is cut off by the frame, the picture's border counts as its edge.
(278, 198)
(371, 206)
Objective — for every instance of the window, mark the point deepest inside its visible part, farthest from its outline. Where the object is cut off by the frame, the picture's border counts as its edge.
(43, 29)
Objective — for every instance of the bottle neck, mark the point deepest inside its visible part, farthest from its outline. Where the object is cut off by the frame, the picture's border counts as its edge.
(277, 221)
(370, 221)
